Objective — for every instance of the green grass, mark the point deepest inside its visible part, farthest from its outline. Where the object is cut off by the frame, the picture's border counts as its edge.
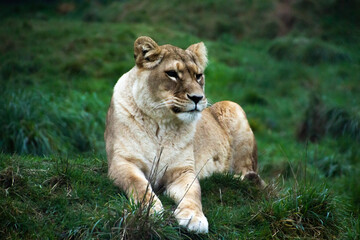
(300, 93)
(34, 123)
(74, 198)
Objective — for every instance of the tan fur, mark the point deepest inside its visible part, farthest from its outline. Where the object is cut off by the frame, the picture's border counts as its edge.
(156, 135)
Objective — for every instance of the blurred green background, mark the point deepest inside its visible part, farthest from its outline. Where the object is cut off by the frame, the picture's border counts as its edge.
(293, 65)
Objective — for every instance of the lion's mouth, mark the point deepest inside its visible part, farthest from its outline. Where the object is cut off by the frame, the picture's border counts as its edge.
(178, 110)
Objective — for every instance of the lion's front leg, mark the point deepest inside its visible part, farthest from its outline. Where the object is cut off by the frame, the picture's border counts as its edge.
(184, 188)
(132, 180)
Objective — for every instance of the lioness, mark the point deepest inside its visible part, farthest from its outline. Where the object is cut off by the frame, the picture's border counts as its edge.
(160, 106)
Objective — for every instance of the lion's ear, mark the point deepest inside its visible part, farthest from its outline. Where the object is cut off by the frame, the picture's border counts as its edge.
(147, 53)
(200, 52)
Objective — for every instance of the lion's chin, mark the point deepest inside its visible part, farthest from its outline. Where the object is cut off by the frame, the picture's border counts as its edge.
(189, 117)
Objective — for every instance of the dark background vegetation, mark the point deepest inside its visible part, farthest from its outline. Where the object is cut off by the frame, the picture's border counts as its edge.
(293, 65)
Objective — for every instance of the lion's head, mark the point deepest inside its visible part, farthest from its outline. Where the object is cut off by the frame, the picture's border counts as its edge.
(170, 81)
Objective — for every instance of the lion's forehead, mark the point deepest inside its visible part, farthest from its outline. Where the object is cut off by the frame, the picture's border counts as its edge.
(180, 60)
(182, 66)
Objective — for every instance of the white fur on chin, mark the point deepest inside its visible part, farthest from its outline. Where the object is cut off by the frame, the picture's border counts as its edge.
(189, 117)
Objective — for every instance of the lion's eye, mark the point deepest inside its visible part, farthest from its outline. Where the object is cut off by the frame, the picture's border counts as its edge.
(172, 75)
(198, 76)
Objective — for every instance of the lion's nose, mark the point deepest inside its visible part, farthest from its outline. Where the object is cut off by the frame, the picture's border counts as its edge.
(195, 98)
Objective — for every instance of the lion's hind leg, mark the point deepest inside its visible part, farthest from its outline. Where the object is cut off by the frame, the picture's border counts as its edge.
(243, 160)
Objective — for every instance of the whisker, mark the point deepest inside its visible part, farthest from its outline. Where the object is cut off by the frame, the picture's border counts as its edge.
(209, 103)
(159, 106)
(167, 99)
(163, 103)
(178, 105)
(176, 102)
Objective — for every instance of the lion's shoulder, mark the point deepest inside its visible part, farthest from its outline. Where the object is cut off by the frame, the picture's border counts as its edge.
(225, 113)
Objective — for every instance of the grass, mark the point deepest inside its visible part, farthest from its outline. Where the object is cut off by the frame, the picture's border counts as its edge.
(75, 199)
(309, 51)
(300, 92)
(26, 130)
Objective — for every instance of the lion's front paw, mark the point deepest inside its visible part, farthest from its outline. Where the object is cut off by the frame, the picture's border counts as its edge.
(195, 222)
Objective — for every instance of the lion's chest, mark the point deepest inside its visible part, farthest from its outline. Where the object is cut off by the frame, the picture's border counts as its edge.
(159, 148)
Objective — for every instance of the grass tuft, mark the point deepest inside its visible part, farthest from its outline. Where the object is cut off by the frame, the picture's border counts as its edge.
(10, 177)
(307, 212)
(137, 222)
